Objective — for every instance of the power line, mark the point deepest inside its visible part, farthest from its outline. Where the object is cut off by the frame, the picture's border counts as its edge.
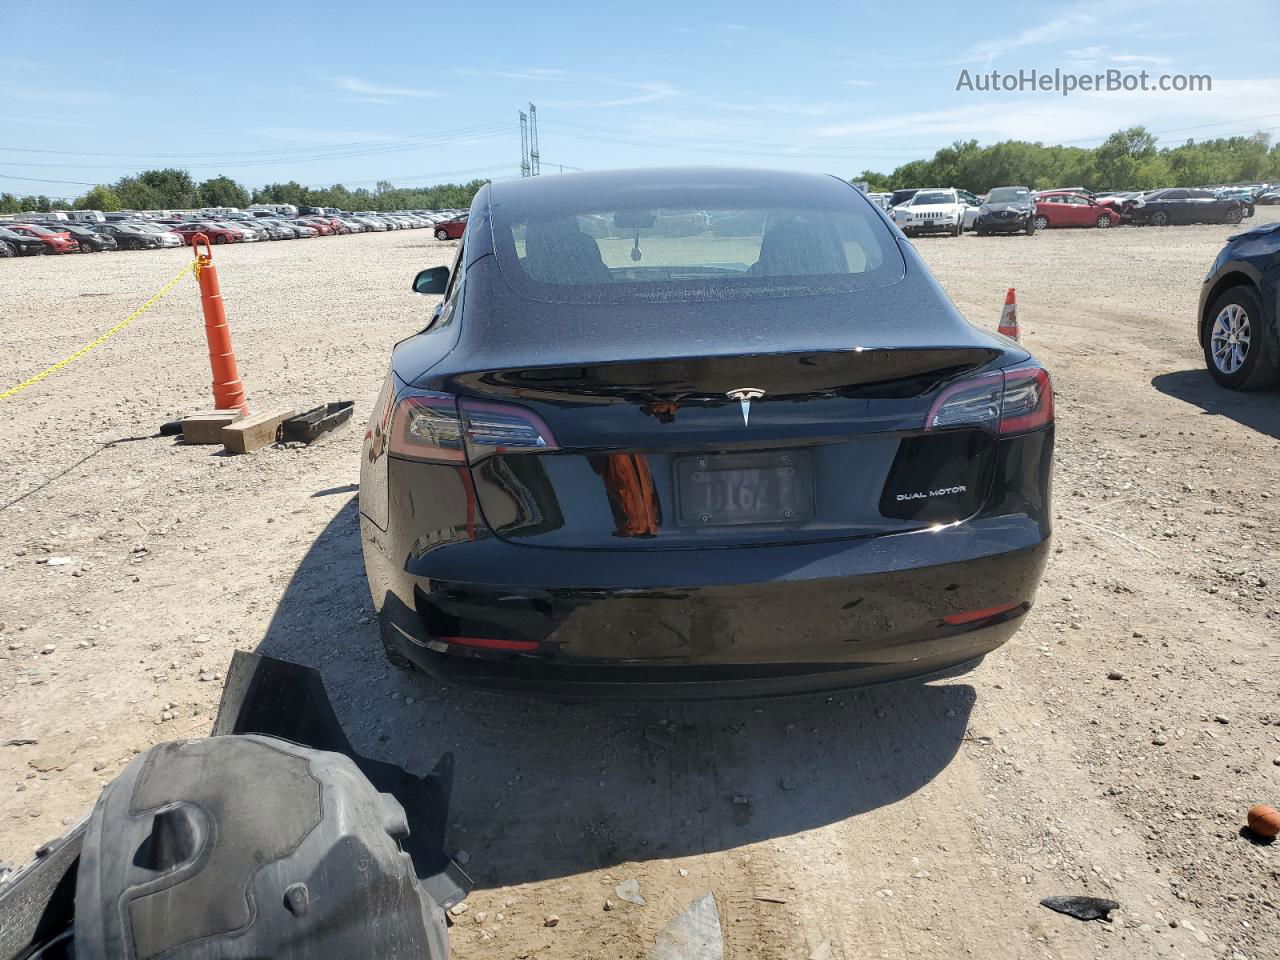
(277, 151)
(275, 161)
(78, 183)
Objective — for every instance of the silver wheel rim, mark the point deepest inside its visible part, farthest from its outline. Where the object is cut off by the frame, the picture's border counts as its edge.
(1104, 222)
(1229, 340)
(1041, 223)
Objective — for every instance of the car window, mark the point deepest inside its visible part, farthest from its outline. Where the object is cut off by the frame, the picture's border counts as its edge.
(452, 292)
(1174, 195)
(704, 248)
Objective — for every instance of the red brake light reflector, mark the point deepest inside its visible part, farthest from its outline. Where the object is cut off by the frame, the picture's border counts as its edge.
(492, 643)
(973, 616)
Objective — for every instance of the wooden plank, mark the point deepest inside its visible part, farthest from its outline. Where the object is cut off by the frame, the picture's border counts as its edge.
(206, 426)
(253, 432)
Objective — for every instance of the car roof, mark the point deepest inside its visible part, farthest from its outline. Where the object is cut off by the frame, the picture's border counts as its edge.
(584, 189)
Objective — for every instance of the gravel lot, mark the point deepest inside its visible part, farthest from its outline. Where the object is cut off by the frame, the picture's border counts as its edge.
(1111, 748)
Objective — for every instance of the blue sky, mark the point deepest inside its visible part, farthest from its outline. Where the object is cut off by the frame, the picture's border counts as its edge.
(419, 93)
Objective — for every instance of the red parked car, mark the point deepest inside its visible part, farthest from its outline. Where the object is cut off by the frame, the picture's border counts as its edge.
(216, 234)
(1062, 208)
(451, 229)
(57, 241)
(321, 226)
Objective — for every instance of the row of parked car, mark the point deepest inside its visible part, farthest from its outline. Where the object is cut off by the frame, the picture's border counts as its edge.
(1022, 210)
(46, 233)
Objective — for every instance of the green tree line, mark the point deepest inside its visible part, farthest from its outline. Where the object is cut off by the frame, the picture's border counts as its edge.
(1126, 160)
(174, 189)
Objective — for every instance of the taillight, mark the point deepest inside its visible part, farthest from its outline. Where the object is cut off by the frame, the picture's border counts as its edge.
(426, 426)
(1006, 402)
(440, 427)
(1028, 400)
(503, 428)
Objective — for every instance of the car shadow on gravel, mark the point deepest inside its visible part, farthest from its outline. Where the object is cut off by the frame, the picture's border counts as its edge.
(1257, 410)
(547, 790)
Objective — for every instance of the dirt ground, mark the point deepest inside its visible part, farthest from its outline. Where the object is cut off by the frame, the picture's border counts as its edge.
(1111, 748)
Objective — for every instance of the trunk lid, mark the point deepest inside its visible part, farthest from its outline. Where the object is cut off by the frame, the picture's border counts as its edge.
(732, 450)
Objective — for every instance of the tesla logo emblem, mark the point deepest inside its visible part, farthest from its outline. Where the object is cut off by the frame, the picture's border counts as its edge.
(744, 396)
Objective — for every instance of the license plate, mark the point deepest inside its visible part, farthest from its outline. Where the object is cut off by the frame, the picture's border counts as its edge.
(725, 489)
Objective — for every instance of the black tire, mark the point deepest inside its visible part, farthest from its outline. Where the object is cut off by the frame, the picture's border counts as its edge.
(1260, 367)
(219, 238)
(441, 235)
(959, 228)
(978, 231)
(6, 250)
(1234, 215)
(1159, 219)
(1031, 226)
(1040, 222)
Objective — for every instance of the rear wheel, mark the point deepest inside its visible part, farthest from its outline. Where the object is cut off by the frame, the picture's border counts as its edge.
(1234, 215)
(1238, 349)
(1103, 221)
(1040, 223)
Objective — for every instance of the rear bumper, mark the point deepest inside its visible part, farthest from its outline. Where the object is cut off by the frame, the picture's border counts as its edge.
(727, 622)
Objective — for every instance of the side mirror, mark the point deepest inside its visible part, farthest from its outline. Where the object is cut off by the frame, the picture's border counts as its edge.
(432, 280)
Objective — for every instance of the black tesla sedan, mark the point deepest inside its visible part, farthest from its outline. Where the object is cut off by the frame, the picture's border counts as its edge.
(1239, 311)
(699, 432)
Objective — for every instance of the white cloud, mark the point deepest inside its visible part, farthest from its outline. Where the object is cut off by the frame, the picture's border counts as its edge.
(1055, 29)
(1081, 117)
(356, 85)
(642, 93)
(1139, 58)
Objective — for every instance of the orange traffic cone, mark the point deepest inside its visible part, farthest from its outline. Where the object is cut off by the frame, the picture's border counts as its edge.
(228, 391)
(1009, 316)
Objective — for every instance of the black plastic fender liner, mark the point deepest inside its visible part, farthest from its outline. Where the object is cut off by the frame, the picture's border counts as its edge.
(246, 847)
(281, 699)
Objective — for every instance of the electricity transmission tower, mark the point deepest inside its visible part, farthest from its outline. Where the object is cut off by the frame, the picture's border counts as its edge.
(535, 160)
(524, 144)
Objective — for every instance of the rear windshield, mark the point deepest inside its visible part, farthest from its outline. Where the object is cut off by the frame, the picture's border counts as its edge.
(695, 251)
